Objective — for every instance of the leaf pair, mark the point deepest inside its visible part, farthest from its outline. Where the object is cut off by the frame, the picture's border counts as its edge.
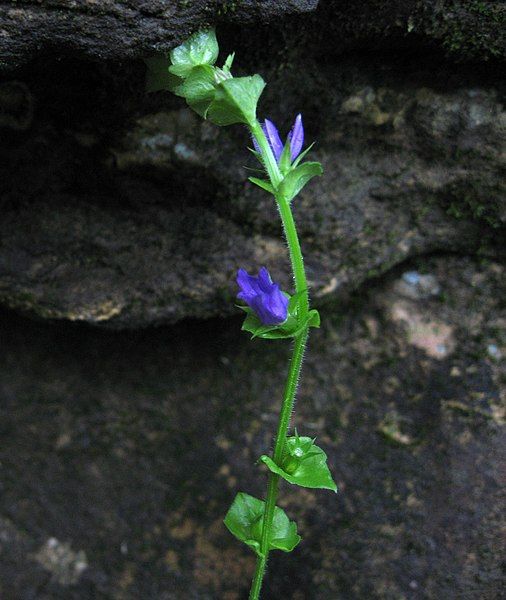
(165, 72)
(304, 464)
(212, 92)
(297, 178)
(245, 518)
(293, 181)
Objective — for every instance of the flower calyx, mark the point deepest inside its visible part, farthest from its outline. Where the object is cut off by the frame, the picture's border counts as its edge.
(270, 312)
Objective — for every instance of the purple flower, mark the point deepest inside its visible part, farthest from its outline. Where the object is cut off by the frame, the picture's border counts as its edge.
(295, 137)
(273, 138)
(263, 296)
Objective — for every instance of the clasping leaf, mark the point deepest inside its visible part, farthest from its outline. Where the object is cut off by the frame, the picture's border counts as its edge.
(158, 76)
(199, 49)
(304, 464)
(298, 177)
(244, 520)
(169, 72)
(198, 89)
(235, 100)
(262, 183)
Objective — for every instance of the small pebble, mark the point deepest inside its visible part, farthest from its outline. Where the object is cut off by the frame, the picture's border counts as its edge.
(411, 277)
(494, 351)
(441, 348)
(417, 287)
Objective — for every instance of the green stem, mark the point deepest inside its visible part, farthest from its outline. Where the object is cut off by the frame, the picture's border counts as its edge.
(299, 273)
(272, 488)
(268, 157)
(297, 357)
(258, 577)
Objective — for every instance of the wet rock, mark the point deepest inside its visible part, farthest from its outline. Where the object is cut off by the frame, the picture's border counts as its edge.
(122, 450)
(124, 29)
(151, 226)
(128, 211)
(494, 351)
(129, 447)
(415, 285)
(466, 29)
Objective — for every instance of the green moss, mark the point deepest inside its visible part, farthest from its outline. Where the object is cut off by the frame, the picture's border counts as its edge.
(227, 6)
(423, 212)
(465, 410)
(470, 29)
(370, 229)
(31, 306)
(25, 301)
(390, 430)
(468, 202)
(26, 298)
(470, 207)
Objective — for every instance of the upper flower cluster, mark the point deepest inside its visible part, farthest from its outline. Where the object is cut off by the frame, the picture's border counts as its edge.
(289, 174)
(295, 139)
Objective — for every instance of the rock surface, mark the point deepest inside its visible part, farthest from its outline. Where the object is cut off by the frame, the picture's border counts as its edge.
(125, 29)
(123, 450)
(466, 29)
(120, 29)
(145, 220)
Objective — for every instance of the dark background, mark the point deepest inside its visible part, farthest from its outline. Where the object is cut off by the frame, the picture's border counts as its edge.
(132, 408)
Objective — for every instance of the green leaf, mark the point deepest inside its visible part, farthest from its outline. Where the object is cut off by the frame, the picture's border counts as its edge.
(228, 63)
(255, 153)
(298, 177)
(235, 100)
(246, 309)
(293, 304)
(314, 318)
(285, 160)
(198, 89)
(253, 325)
(199, 49)
(302, 155)
(304, 464)
(244, 520)
(265, 185)
(158, 76)
(292, 327)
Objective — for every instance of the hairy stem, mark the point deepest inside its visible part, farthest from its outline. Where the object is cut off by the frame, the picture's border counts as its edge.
(268, 157)
(258, 577)
(297, 356)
